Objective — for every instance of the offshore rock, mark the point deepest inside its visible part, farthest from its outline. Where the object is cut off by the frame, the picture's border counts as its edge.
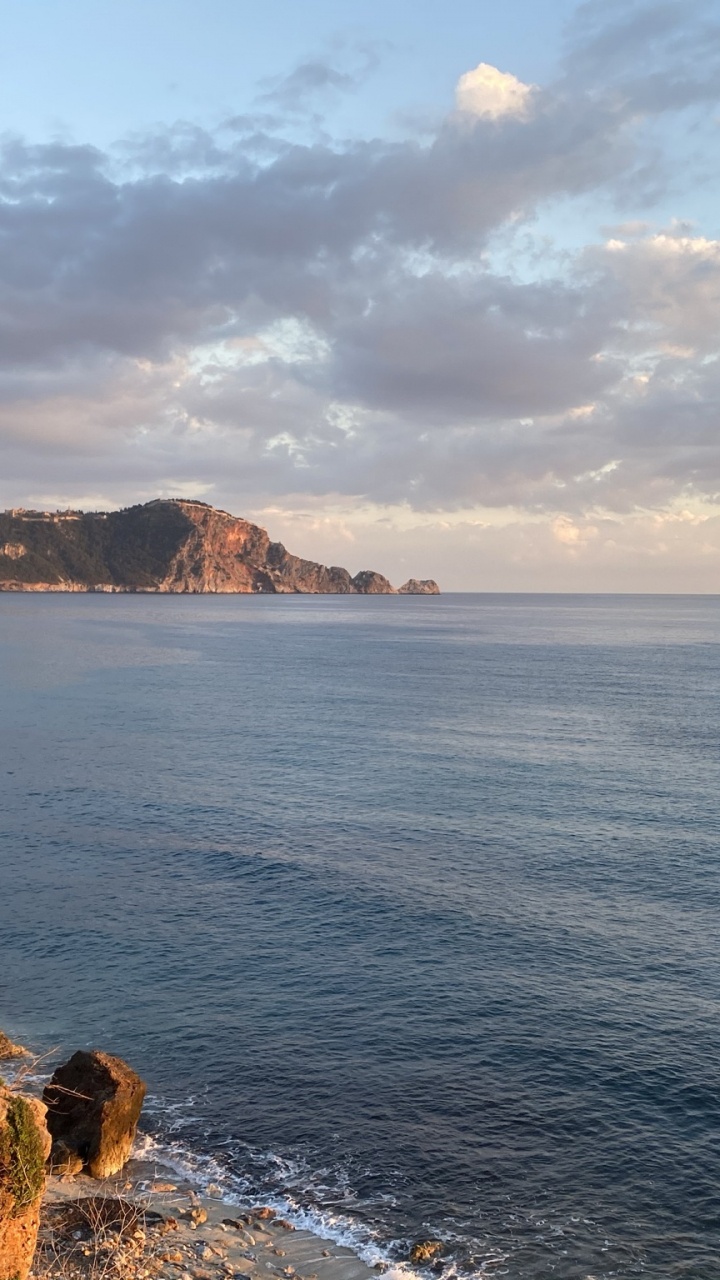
(420, 587)
(163, 546)
(424, 1250)
(94, 1103)
(24, 1147)
(369, 583)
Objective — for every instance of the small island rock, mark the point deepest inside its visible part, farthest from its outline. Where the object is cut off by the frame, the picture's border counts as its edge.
(419, 587)
(94, 1103)
(370, 583)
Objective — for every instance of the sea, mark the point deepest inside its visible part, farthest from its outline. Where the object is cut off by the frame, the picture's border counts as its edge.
(406, 908)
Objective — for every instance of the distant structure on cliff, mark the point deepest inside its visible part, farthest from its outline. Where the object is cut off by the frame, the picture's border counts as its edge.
(168, 545)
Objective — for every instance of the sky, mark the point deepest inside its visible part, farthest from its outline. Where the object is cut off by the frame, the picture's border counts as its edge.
(432, 289)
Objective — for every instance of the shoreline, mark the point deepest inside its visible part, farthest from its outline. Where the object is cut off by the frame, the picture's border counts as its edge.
(180, 1234)
(250, 1236)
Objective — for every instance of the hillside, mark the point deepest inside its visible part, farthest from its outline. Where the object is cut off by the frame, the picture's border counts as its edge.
(165, 546)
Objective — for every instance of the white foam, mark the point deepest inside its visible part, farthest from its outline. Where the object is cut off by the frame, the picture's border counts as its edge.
(212, 1179)
(205, 1172)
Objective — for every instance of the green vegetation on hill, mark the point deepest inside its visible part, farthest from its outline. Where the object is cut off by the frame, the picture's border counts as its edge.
(130, 548)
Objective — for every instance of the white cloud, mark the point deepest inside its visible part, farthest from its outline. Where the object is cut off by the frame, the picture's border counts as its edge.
(493, 94)
(327, 329)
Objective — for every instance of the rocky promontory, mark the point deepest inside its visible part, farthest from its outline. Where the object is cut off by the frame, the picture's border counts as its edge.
(172, 545)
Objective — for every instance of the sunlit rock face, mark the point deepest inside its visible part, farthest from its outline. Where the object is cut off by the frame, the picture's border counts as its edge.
(368, 583)
(93, 1107)
(164, 546)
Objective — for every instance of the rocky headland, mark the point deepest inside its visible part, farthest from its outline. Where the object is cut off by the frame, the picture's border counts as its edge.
(167, 546)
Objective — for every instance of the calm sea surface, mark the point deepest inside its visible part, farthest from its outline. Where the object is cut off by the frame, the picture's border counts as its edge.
(406, 908)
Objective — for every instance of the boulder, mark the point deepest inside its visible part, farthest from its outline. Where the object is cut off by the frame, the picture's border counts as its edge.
(64, 1161)
(24, 1148)
(94, 1103)
(419, 587)
(425, 1250)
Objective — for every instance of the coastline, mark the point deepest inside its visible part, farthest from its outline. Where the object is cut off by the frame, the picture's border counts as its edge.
(187, 1223)
(180, 1234)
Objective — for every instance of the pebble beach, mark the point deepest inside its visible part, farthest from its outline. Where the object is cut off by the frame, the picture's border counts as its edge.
(145, 1224)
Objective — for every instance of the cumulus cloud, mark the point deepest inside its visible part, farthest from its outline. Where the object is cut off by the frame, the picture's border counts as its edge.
(492, 94)
(268, 320)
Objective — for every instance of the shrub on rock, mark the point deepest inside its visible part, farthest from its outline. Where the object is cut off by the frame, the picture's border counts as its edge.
(24, 1147)
(94, 1103)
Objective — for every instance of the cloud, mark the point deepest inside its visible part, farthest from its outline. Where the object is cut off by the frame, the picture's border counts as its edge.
(492, 94)
(300, 90)
(282, 321)
(653, 56)
(678, 551)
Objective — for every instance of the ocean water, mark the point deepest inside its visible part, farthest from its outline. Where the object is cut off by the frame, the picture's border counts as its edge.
(406, 908)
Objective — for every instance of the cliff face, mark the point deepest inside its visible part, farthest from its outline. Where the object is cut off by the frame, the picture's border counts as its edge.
(164, 546)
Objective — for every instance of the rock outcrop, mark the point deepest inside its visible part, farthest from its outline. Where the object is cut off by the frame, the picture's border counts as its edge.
(419, 587)
(24, 1148)
(369, 583)
(163, 546)
(9, 1050)
(93, 1107)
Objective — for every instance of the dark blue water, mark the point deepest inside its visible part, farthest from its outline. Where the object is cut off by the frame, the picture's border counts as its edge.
(406, 908)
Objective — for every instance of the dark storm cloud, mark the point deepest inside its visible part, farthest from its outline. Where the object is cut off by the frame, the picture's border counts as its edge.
(321, 318)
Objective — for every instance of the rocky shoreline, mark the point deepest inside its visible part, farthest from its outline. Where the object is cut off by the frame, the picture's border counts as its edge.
(146, 1224)
(76, 1204)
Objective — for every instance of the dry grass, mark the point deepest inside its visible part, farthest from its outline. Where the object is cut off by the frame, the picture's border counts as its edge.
(28, 1072)
(100, 1237)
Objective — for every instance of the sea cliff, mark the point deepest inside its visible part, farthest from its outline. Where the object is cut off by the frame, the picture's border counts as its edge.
(171, 545)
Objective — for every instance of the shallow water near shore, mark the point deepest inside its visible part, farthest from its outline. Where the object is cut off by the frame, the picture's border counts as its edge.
(406, 908)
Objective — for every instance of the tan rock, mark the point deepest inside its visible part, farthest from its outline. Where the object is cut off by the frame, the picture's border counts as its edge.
(94, 1103)
(9, 1050)
(24, 1143)
(65, 1162)
(424, 1250)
